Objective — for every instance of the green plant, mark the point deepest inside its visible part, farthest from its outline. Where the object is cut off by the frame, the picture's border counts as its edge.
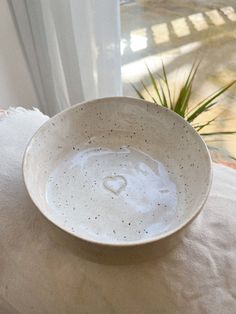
(182, 103)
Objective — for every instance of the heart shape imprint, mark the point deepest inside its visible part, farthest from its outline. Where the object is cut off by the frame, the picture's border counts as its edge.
(115, 184)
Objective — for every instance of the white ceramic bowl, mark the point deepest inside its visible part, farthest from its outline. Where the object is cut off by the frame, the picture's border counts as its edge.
(118, 171)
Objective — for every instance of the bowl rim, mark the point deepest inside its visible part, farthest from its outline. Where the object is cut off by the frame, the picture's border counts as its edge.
(164, 235)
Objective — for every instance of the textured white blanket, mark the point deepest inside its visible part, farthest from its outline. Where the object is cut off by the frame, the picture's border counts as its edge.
(43, 270)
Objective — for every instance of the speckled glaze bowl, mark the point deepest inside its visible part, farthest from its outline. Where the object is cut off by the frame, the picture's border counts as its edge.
(118, 171)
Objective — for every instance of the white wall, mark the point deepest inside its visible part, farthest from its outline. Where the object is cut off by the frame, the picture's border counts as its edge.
(16, 87)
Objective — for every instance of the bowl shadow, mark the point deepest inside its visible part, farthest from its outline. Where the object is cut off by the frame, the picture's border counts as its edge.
(109, 255)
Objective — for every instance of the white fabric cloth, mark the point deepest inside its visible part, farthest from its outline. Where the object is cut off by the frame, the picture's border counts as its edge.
(44, 270)
(72, 49)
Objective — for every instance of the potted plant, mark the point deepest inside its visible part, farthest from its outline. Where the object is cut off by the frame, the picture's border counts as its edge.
(164, 96)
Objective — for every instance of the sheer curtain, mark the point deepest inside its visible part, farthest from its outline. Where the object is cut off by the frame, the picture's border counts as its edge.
(71, 48)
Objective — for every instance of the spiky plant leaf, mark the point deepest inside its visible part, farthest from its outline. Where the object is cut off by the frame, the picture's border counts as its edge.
(153, 80)
(182, 105)
(138, 92)
(167, 86)
(219, 133)
(182, 102)
(207, 103)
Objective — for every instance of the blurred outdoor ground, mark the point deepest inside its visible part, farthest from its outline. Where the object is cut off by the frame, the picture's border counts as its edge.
(178, 32)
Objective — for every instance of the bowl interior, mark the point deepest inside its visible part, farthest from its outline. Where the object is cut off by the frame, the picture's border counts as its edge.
(118, 171)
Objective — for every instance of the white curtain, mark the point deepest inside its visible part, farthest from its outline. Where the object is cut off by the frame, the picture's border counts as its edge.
(72, 49)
